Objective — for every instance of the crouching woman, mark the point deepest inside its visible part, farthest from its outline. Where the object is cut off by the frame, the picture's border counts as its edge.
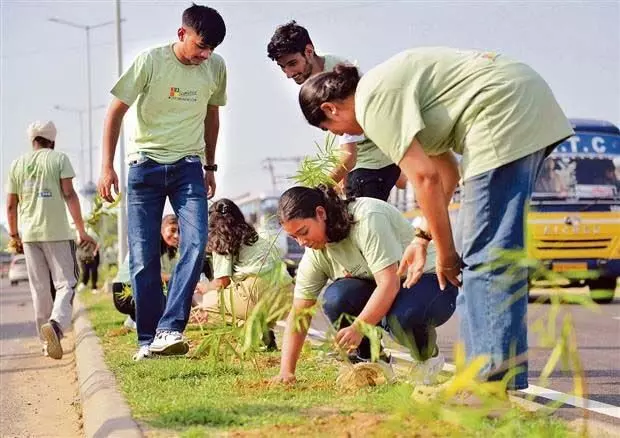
(247, 268)
(357, 244)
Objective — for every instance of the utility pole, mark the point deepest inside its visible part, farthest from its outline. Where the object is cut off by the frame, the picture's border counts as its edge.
(89, 108)
(122, 212)
(268, 164)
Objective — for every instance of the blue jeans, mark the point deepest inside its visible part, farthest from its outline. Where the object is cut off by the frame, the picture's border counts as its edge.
(493, 303)
(411, 320)
(149, 184)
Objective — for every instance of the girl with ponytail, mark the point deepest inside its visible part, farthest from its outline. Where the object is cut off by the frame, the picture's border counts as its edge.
(247, 267)
(357, 244)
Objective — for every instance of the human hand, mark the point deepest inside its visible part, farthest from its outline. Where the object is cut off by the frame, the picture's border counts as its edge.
(15, 245)
(107, 180)
(348, 338)
(210, 184)
(284, 378)
(413, 261)
(449, 269)
(201, 288)
(86, 242)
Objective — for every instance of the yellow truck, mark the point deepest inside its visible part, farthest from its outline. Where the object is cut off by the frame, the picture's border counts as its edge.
(574, 221)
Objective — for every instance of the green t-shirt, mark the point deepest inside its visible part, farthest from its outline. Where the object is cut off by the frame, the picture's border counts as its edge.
(35, 179)
(369, 156)
(378, 238)
(262, 258)
(172, 102)
(488, 108)
(123, 276)
(167, 266)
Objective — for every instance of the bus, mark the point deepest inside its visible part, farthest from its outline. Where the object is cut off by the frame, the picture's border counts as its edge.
(573, 224)
(261, 211)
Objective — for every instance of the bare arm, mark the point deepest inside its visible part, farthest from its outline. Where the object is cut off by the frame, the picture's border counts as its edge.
(448, 169)
(215, 284)
(348, 159)
(293, 340)
(388, 285)
(12, 202)
(424, 174)
(382, 298)
(111, 132)
(73, 204)
(428, 184)
(212, 130)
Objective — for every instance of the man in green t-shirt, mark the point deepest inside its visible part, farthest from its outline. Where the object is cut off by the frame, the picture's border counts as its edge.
(178, 88)
(39, 186)
(368, 171)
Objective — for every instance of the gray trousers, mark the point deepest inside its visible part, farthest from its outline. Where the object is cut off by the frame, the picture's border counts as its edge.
(57, 258)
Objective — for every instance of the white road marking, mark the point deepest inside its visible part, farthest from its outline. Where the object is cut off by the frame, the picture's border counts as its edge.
(538, 391)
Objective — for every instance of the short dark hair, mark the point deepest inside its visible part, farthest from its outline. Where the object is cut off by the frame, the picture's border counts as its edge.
(327, 87)
(301, 203)
(228, 229)
(43, 142)
(207, 22)
(288, 39)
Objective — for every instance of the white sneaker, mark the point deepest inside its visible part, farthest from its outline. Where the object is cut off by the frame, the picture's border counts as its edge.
(169, 342)
(129, 323)
(142, 353)
(80, 287)
(426, 372)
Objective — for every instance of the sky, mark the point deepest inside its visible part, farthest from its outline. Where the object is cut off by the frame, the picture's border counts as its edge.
(574, 45)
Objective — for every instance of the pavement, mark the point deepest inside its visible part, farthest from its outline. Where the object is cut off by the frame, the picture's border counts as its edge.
(76, 396)
(38, 395)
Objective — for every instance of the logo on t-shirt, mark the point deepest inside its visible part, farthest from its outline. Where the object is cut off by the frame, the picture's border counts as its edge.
(181, 94)
(45, 194)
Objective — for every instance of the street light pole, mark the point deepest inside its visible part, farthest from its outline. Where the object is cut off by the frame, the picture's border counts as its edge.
(122, 212)
(89, 106)
(80, 112)
(87, 29)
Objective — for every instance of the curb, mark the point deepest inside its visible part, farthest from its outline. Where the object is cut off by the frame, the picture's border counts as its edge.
(105, 412)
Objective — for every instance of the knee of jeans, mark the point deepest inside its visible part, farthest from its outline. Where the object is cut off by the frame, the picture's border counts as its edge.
(443, 307)
(334, 304)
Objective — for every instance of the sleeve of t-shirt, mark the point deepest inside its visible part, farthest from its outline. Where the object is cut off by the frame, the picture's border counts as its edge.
(378, 242)
(347, 138)
(391, 119)
(218, 98)
(12, 185)
(66, 169)
(135, 80)
(310, 278)
(222, 265)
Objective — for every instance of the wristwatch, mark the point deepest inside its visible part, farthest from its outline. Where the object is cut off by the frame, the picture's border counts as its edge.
(420, 233)
(210, 167)
(14, 236)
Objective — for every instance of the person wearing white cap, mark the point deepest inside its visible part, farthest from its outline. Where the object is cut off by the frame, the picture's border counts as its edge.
(39, 186)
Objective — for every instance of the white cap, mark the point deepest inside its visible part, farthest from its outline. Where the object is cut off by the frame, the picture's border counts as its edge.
(46, 130)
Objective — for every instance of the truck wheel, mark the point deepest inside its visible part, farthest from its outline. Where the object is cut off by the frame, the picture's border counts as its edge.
(602, 289)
